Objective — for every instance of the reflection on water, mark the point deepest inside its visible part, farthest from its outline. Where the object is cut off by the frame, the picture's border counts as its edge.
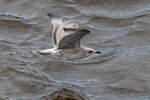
(119, 28)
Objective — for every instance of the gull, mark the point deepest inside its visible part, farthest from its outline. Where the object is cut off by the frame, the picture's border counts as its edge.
(66, 36)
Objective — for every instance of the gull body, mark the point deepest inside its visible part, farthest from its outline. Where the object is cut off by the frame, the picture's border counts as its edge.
(66, 36)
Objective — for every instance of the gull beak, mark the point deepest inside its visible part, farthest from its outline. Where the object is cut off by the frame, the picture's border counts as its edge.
(98, 52)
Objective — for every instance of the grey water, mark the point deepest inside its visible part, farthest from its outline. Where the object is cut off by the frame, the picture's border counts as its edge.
(119, 28)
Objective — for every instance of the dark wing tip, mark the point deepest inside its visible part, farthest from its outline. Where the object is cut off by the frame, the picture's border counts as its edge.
(77, 30)
(51, 16)
(69, 29)
(84, 31)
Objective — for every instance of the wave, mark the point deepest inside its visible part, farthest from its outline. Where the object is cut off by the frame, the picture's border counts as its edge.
(113, 8)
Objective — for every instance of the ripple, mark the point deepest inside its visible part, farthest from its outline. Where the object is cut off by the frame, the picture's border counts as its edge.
(138, 52)
(120, 33)
(114, 9)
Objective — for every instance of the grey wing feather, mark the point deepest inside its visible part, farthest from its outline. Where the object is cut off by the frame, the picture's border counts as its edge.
(54, 19)
(72, 41)
(59, 23)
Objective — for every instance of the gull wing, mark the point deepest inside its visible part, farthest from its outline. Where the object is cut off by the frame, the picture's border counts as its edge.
(72, 41)
(59, 23)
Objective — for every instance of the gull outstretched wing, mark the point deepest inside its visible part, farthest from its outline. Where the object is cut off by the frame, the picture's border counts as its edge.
(72, 41)
(59, 23)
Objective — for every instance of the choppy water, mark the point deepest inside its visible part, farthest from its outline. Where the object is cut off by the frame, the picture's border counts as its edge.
(123, 25)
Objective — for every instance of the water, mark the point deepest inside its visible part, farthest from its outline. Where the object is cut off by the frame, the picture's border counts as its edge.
(120, 28)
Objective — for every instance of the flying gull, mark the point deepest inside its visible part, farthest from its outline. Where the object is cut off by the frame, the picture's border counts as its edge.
(66, 36)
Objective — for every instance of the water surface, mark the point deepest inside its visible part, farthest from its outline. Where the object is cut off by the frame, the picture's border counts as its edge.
(120, 25)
